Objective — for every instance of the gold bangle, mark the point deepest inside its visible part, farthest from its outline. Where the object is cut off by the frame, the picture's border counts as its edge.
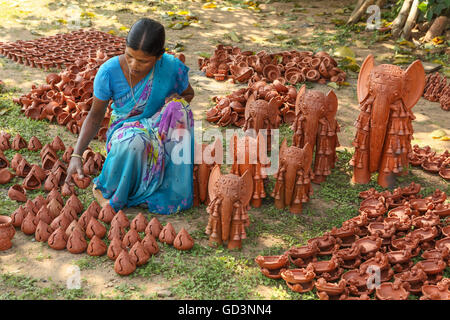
(76, 155)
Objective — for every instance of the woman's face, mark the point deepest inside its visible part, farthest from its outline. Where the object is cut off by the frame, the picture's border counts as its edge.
(139, 62)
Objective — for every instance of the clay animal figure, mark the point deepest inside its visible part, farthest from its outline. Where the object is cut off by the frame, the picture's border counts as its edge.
(293, 185)
(230, 196)
(260, 114)
(248, 155)
(315, 123)
(206, 157)
(386, 95)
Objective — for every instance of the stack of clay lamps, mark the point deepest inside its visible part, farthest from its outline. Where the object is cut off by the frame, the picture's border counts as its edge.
(62, 50)
(437, 89)
(287, 66)
(67, 96)
(231, 109)
(430, 161)
(51, 173)
(406, 236)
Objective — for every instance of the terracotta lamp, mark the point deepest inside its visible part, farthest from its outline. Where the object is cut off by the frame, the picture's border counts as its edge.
(386, 95)
(315, 123)
(230, 196)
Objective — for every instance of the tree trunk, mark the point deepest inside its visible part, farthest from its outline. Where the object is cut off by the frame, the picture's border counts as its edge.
(398, 23)
(436, 29)
(359, 10)
(411, 21)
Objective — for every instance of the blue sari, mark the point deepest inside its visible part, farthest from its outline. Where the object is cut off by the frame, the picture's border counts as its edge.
(143, 134)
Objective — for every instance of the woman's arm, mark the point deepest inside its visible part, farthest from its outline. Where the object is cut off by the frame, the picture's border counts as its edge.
(188, 94)
(88, 131)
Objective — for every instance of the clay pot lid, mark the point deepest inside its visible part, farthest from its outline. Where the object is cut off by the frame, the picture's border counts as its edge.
(325, 265)
(329, 287)
(425, 234)
(369, 244)
(272, 262)
(432, 266)
(303, 251)
(298, 275)
(391, 291)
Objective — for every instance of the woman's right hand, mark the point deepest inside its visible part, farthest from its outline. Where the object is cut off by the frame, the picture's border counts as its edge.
(75, 166)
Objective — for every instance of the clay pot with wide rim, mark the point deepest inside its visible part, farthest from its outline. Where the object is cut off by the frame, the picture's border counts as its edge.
(440, 291)
(326, 244)
(299, 280)
(328, 269)
(330, 291)
(272, 266)
(369, 246)
(415, 277)
(301, 256)
(393, 291)
(357, 282)
(7, 232)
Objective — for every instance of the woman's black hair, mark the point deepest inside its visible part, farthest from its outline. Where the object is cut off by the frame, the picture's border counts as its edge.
(147, 35)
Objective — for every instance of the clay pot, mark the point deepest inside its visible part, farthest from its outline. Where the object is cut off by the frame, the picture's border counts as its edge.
(349, 258)
(183, 241)
(167, 234)
(58, 239)
(18, 143)
(439, 291)
(61, 221)
(16, 161)
(67, 190)
(17, 216)
(328, 269)
(330, 291)
(299, 280)
(392, 291)
(75, 203)
(414, 277)
(121, 219)
(76, 242)
(85, 218)
(72, 226)
(139, 223)
(4, 163)
(325, 243)
(6, 175)
(115, 248)
(34, 144)
(4, 143)
(67, 154)
(29, 223)
(54, 194)
(150, 244)
(442, 210)
(130, 238)
(357, 282)
(273, 266)
(43, 231)
(95, 228)
(96, 247)
(54, 208)
(139, 254)
(301, 256)
(7, 232)
(369, 245)
(124, 264)
(116, 231)
(81, 183)
(44, 215)
(23, 168)
(57, 144)
(94, 208)
(31, 181)
(106, 214)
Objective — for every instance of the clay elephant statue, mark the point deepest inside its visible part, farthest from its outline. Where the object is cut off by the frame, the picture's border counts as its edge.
(386, 95)
(293, 185)
(260, 114)
(247, 155)
(315, 123)
(230, 196)
(206, 157)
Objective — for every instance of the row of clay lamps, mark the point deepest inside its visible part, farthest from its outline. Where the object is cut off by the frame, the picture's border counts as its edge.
(230, 109)
(52, 172)
(287, 66)
(391, 229)
(437, 89)
(67, 226)
(62, 50)
(430, 161)
(67, 97)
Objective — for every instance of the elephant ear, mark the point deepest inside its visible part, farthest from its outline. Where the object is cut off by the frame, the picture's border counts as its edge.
(307, 157)
(213, 178)
(233, 147)
(332, 105)
(283, 147)
(247, 187)
(299, 99)
(363, 77)
(217, 151)
(250, 100)
(413, 84)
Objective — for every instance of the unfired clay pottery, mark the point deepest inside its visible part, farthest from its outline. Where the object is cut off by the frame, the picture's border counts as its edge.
(29, 224)
(183, 240)
(154, 228)
(96, 247)
(81, 183)
(7, 232)
(381, 262)
(72, 226)
(384, 128)
(369, 245)
(43, 231)
(167, 234)
(348, 258)
(57, 144)
(18, 193)
(17, 217)
(139, 254)
(415, 277)
(326, 244)
(85, 218)
(74, 202)
(106, 213)
(122, 219)
(54, 208)
(124, 265)
(67, 190)
(6, 175)
(18, 143)
(34, 144)
(95, 228)
(44, 215)
(299, 280)
(139, 223)
(130, 238)
(116, 231)
(115, 248)
(58, 239)
(76, 242)
(54, 194)
(150, 244)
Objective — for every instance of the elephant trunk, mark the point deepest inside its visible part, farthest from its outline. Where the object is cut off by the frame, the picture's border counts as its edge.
(311, 127)
(203, 177)
(290, 178)
(226, 214)
(379, 120)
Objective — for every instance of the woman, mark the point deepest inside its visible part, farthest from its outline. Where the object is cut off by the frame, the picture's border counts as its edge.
(150, 91)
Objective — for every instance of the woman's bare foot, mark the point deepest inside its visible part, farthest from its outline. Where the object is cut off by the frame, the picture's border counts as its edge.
(99, 196)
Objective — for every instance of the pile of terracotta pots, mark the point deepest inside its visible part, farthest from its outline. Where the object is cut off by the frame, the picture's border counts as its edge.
(67, 96)
(368, 251)
(231, 108)
(50, 174)
(430, 161)
(62, 50)
(437, 89)
(290, 66)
